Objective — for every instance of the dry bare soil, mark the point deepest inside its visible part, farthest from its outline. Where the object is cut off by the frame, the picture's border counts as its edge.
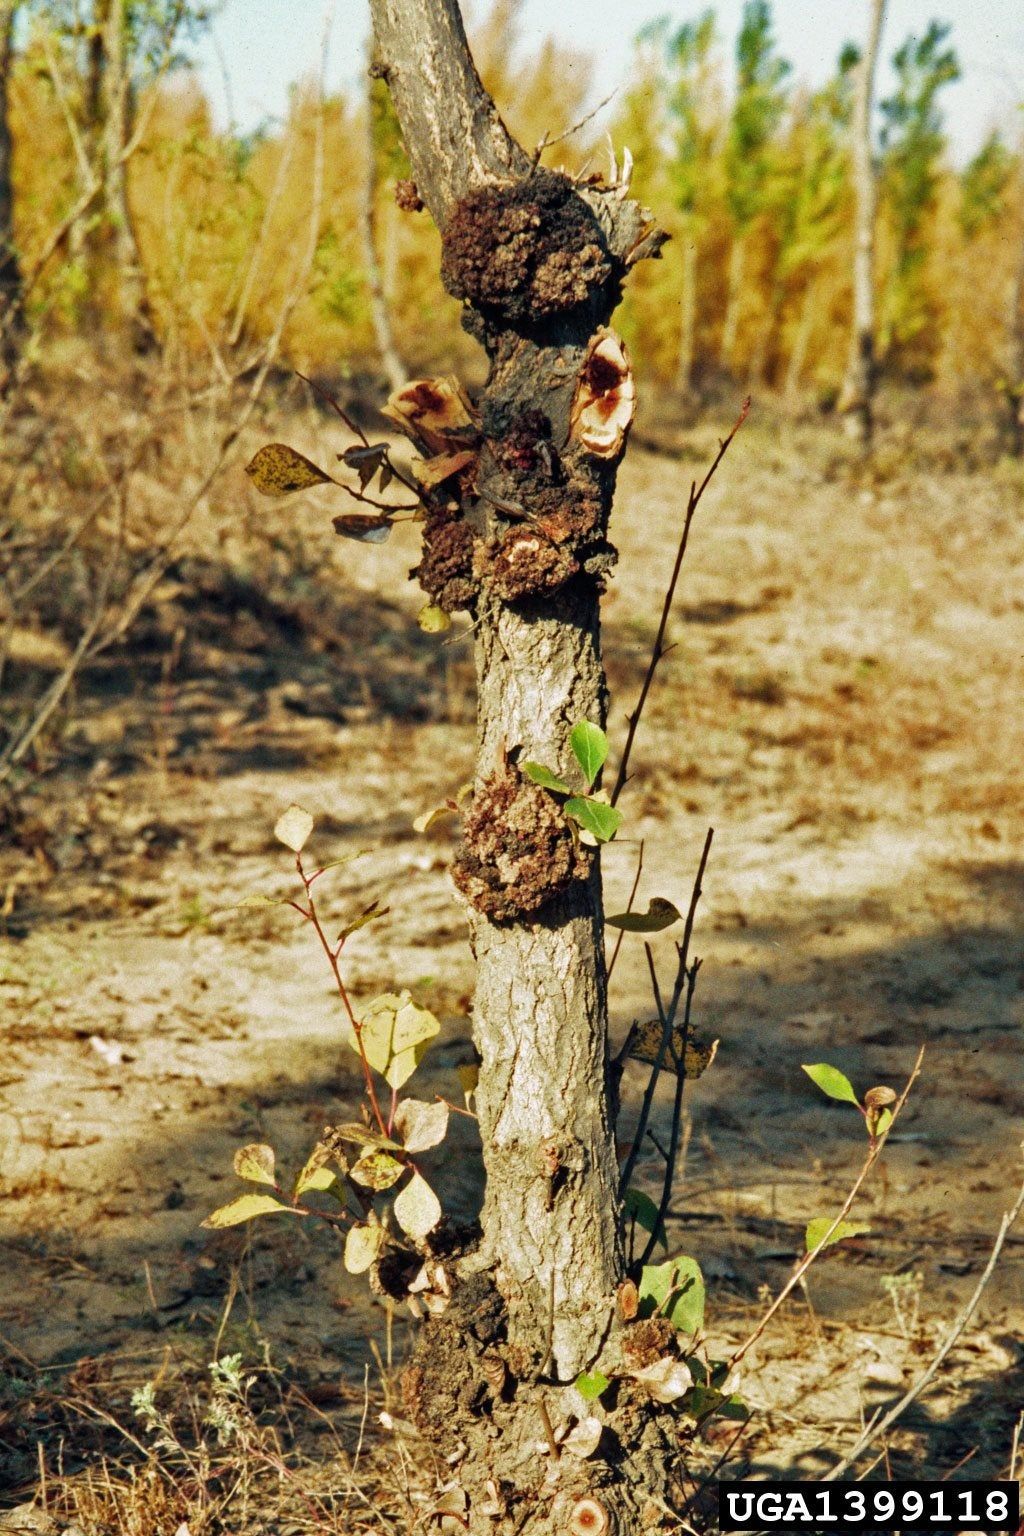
(843, 706)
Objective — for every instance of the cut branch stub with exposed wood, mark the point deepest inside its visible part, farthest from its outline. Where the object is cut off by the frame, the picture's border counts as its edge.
(516, 533)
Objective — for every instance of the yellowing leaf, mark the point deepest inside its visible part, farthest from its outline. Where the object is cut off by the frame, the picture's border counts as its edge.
(433, 620)
(377, 1170)
(363, 1244)
(417, 1208)
(293, 828)
(660, 914)
(277, 470)
(584, 1438)
(361, 1136)
(666, 1380)
(363, 527)
(421, 1125)
(315, 1179)
(816, 1236)
(395, 1032)
(243, 1209)
(430, 818)
(645, 1044)
(255, 1163)
(316, 1175)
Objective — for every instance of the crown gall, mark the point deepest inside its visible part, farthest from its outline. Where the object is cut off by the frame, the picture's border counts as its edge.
(526, 252)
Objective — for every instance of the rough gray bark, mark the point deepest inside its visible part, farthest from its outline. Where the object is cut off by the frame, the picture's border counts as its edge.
(857, 396)
(10, 270)
(539, 264)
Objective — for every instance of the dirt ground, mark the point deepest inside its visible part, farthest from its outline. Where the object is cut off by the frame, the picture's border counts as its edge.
(842, 705)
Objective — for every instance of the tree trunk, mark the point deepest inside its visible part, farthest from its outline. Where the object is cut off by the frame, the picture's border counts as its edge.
(802, 341)
(687, 316)
(1014, 344)
(118, 304)
(10, 269)
(857, 396)
(734, 299)
(394, 371)
(538, 263)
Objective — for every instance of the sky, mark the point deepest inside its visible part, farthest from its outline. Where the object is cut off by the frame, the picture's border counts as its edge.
(258, 48)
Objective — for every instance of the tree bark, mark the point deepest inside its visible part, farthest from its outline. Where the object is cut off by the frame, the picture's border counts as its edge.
(856, 400)
(10, 268)
(687, 316)
(380, 314)
(538, 263)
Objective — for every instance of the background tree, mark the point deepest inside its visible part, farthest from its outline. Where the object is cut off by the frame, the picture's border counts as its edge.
(855, 401)
(691, 98)
(912, 144)
(384, 166)
(749, 161)
(10, 270)
(816, 205)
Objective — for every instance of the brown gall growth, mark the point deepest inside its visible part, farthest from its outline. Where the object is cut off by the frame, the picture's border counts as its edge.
(525, 563)
(445, 571)
(526, 252)
(518, 852)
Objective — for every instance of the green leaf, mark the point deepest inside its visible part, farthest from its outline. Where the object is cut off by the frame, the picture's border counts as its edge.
(293, 828)
(590, 1385)
(590, 748)
(676, 1290)
(255, 1163)
(816, 1230)
(545, 778)
(660, 914)
(645, 1213)
(831, 1081)
(243, 1209)
(600, 820)
(417, 1208)
(883, 1123)
(277, 470)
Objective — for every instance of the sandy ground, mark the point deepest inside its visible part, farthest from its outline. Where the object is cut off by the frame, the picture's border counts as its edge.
(843, 706)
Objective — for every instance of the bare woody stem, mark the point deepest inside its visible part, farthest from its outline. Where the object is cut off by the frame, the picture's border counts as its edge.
(660, 648)
(874, 1152)
(332, 954)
